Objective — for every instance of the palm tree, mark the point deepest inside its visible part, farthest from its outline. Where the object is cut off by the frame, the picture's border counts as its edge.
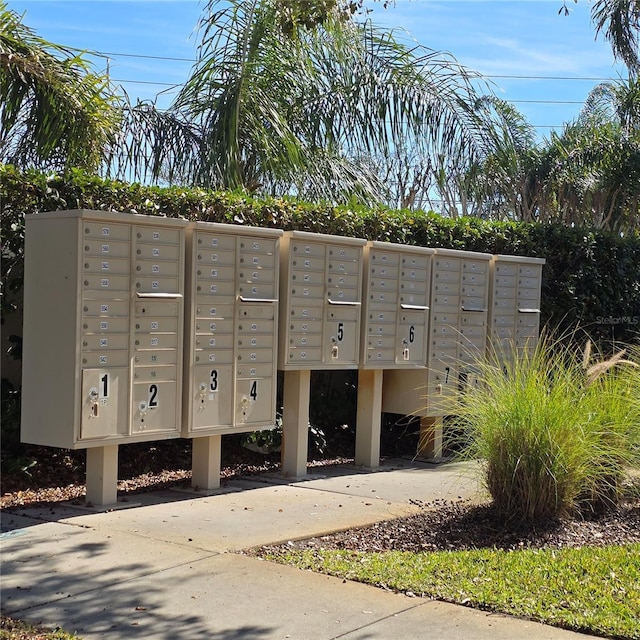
(619, 20)
(593, 166)
(282, 106)
(54, 111)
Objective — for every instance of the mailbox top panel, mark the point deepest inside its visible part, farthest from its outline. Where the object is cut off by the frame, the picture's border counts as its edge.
(404, 248)
(236, 229)
(525, 259)
(110, 216)
(324, 238)
(458, 253)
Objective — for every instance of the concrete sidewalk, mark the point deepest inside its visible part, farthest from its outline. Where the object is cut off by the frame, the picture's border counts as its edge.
(163, 570)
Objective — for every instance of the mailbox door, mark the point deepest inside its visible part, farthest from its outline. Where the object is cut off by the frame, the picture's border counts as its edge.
(104, 403)
(411, 338)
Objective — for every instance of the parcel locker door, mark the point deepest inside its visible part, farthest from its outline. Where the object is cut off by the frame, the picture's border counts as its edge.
(104, 403)
(212, 393)
(341, 334)
(412, 332)
(255, 395)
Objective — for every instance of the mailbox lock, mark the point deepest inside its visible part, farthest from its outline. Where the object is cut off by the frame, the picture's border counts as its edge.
(439, 389)
(93, 395)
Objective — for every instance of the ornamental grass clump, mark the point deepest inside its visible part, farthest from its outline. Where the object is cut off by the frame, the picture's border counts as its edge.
(555, 430)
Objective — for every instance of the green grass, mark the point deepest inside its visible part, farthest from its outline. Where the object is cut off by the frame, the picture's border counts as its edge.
(593, 590)
(11, 629)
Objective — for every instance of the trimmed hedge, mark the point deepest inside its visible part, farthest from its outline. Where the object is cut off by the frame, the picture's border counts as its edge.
(591, 281)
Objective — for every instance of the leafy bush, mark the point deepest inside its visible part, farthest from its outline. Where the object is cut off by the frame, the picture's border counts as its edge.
(555, 431)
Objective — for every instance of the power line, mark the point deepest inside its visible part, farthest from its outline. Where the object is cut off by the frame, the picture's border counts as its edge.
(492, 76)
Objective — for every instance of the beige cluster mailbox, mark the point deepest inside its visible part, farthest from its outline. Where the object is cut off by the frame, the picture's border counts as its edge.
(232, 324)
(395, 321)
(321, 293)
(514, 310)
(457, 338)
(320, 308)
(395, 306)
(231, 329)
(103, 308)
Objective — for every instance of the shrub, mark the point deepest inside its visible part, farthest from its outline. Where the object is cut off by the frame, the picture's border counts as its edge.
(555, 432)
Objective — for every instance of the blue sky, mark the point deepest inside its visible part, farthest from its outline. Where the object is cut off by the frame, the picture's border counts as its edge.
(525, 38)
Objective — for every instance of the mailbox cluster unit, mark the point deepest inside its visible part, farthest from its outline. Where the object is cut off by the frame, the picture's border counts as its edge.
(457, 337)
(396, 311)
(321, 293)
(232, 320)
(103, 323)
(514, 314)
(140, 328)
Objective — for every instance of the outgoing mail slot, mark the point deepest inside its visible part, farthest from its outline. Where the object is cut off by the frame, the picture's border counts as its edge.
(104, 358)
(107, 248)
(157, 235)
(106, 282)
(105, 325)
(157, 308)
(158, 252)
(257, 311)
(155, 358)
(106, 231)
(106, 308)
